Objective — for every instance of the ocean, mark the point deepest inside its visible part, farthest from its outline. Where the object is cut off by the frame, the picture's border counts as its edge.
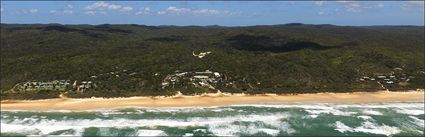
(385, 119)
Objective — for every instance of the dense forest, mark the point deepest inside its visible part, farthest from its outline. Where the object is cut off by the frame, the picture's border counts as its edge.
(291, 58)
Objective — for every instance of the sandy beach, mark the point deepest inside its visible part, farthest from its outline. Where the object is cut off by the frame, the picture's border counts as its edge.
(210, 100)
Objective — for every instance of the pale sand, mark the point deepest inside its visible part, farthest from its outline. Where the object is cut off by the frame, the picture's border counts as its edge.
(211, 100)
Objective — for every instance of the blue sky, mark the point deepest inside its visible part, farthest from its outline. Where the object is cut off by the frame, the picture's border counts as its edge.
(233, 13)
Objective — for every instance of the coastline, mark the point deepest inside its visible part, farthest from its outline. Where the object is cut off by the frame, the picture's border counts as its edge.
(208, 100)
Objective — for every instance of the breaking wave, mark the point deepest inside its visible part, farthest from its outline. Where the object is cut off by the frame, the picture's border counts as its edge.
(237, 120)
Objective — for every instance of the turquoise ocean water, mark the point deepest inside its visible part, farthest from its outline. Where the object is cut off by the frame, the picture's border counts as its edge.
(386, 119)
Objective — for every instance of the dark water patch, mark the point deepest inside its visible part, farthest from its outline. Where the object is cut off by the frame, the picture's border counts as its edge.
(109, 131)
(181, 131)
(64, 132)
(92, 131)
(322, 125)
(12, 135)
(421, 116)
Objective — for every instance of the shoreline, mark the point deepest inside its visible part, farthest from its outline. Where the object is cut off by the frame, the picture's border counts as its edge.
(210, 100)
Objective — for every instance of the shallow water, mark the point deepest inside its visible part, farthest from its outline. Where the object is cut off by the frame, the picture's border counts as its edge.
(387, 119)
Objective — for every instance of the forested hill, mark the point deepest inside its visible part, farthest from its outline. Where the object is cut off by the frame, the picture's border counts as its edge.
(127, 60)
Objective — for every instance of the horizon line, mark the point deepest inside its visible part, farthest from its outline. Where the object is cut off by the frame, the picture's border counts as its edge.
(215, 25)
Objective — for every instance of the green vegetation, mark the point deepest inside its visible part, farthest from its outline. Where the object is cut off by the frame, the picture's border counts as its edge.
(292, 58)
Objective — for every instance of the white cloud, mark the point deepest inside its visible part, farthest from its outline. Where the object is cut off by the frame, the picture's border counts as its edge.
(100, 7)
(353, 7)
(67, 10)
(62, 12)
(161, 12)
(209, 11)
(172, 10)
(143, 11)
(413, 5)
(126, 9)
(95, 12)
(417, 2)
(114, 7)
(178, 11)
(90, 12)
(358, 6)
(319, 3)
(344, 1)
(1, 10)
(33, 10)
(69, 6)
(30, 11)
(320, 13)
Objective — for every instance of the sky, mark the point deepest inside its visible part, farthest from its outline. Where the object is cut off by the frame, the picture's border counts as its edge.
(230, 13)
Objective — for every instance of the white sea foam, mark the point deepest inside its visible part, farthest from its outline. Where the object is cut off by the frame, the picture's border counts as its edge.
(150, 133)
(417, 121)
(39, 129)
(5, 128)
(272, 132)
(139, 110)
(269, 123)
(187, 110)
(313, 116)
(371, 112)
(313, 109)
(365, 117)
(331, 105)
(305, 106)
(222, 109)
(329, 111)
(200, 130)
(383, 105)
(410, 111)
(341, 127)
(46, 126)
(168, 110)
(230, 129)
(368, 127)
(188, 135)
(234, 130)
(411, 108)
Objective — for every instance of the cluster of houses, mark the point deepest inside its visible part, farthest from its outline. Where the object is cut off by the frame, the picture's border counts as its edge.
(206, 79)
(68, 85)
(200, 79)
(57, 85)
(389, 79)
(117, 73)
(83, 85)
(43, 85)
